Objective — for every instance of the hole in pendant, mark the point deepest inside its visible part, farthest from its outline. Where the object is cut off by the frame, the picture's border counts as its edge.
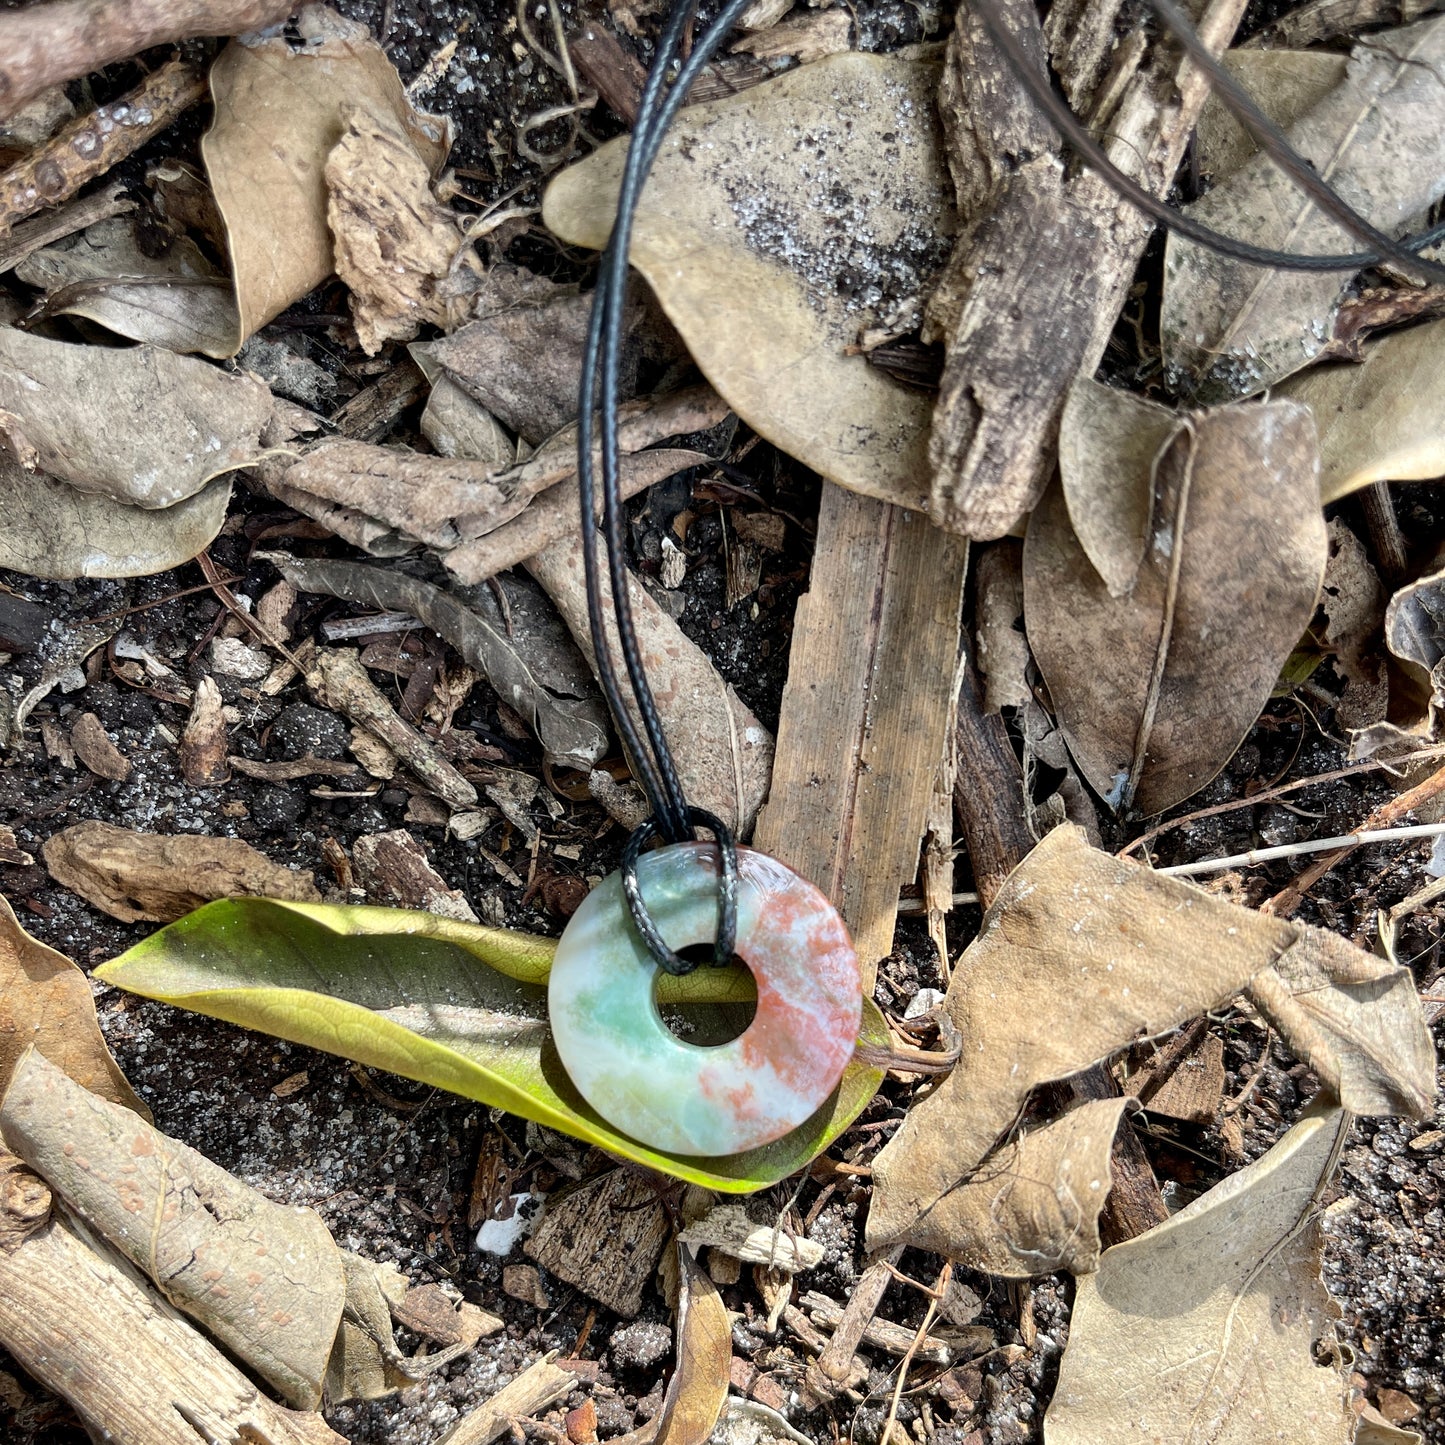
(708, 1025)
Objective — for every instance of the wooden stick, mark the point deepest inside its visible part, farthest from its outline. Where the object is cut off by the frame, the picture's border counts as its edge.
(91, 144)
(43, 45)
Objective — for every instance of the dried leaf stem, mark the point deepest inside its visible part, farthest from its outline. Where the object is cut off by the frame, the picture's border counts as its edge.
(1344, 842)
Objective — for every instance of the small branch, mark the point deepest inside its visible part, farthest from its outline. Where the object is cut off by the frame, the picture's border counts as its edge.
(1344, 841)
(43, 45)
(91, 144)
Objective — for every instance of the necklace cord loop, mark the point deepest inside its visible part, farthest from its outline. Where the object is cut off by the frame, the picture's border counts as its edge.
(648, 749)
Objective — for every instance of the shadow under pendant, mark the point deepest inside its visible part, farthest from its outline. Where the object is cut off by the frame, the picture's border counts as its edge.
(684, 1097)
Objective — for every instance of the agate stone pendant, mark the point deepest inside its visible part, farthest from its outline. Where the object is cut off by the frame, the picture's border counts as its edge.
(683, 1097)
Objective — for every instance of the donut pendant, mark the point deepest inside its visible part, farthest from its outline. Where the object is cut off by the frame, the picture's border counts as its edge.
(681, 1097)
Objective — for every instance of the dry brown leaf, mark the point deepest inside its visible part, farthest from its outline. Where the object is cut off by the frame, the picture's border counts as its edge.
(1284, 84)
(699, 1384)
(1046, 1189)
(776, 225)
(94, 748)
(265, 1279)
(140, 425)
(1208, 1326)
(440, 501)
(46, 1001)
(1080, 955)
(1230, 329)
(281, 108)
(147, 878)
(1109, 442)
(1177, 671)
(1382, 420)
(724, 754)
(1355, 1020)
(398, 249)
(521, 358)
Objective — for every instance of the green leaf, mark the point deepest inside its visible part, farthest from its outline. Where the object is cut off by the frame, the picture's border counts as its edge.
(451, 1004)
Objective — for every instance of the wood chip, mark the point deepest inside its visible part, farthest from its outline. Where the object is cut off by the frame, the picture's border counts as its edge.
(147, 878)
(541, 1384)
(605, 1236)
(394, 870)
(203, 744)
(94, 748)
(290, 769)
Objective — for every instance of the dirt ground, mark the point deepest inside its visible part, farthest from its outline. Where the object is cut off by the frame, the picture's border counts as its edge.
(390, 1165)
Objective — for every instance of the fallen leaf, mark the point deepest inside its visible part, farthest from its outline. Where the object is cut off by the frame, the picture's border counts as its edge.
(265, 1279)
(724, 754)
(1207, 1326)
(775, 226)
(1176, 672)
(46, 1001)
(404, 991)
(94, 748)
(139, 425)
(1381, 420)
(150, 878)
(403, 255)
(281, 108)
(1109, 444)
(1230, 329)
(1284, 84)
(527, 656)
(1083, 954)
(699, 1384)
(521, 358)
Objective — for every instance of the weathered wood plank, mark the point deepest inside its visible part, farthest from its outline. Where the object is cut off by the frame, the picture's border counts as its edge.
(866, 709)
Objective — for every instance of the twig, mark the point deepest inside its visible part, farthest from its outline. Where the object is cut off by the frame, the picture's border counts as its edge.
(1269, 794)
(886, 1432)
(31, 236)
(1379, 508)
(1386, 815)
(91, 144)
(43, 45)
(228, 598)
(1344, 842)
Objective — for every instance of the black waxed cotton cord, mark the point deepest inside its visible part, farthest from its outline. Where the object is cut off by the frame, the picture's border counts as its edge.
(672, 818)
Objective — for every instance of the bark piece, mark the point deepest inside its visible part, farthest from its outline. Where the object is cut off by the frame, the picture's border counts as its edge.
(605, 1236)
(148, 878)
(727, 1227)
(724, 754)
(279, 112)
(265, 1279)
(289, 770)
(1034, 288)
(395, 871)
(541, 1384)
(865, 711)
(1187, 1087)
(135, 1371)
(203, 743)
(94, 748)
(339, 682)
(1151, 708)
(91, 144)
(43, 45)
(45, 1001)
(835, 1368)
